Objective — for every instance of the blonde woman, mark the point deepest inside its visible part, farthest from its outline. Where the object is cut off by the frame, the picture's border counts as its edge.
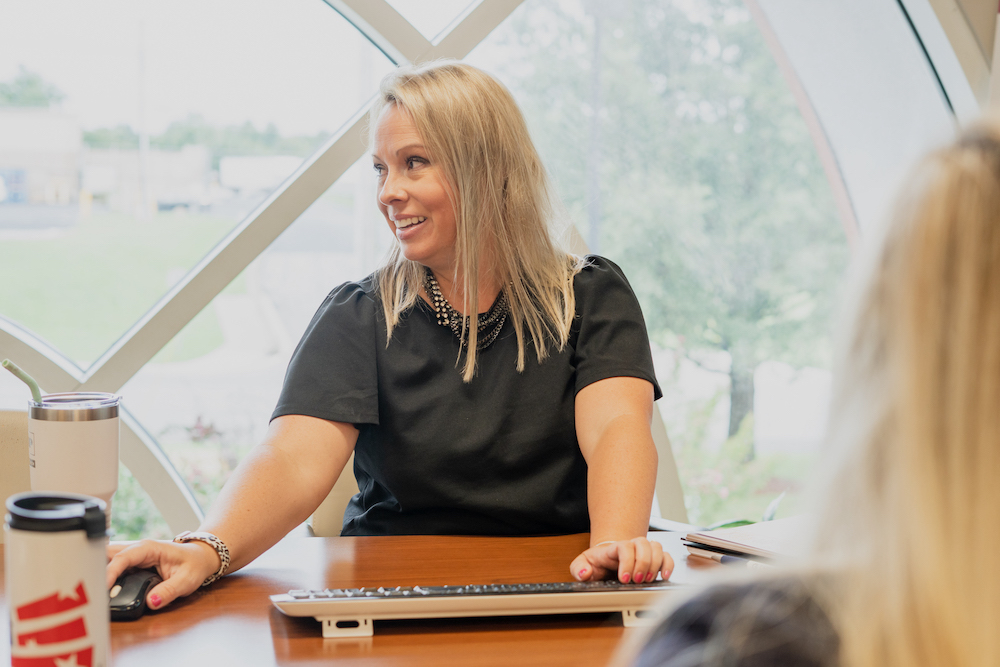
(531, 416)
(903, 570)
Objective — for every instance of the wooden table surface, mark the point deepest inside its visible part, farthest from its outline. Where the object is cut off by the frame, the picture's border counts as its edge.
(234, 623)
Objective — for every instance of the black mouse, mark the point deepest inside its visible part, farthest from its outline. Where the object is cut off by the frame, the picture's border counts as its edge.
(128, 595)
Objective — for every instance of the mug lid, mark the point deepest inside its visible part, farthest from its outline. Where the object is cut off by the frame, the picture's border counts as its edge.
(53, 513)
(75, 406)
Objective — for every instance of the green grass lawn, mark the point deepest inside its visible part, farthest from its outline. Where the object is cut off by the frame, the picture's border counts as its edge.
(83, 289)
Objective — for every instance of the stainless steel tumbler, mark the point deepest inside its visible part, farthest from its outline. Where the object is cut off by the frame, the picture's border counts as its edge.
(73, 444)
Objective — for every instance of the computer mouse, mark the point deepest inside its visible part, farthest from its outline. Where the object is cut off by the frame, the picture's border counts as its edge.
(128, 595)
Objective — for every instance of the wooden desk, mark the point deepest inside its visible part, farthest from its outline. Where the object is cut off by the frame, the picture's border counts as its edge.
(234, 623)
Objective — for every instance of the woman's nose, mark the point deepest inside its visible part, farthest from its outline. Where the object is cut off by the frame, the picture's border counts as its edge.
(391, 190)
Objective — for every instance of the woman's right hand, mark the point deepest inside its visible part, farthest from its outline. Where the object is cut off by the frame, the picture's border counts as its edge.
(183, 567)
(276, 486)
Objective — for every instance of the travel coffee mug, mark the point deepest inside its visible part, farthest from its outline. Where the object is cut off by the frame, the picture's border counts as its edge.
(54, 558)
(73, 444)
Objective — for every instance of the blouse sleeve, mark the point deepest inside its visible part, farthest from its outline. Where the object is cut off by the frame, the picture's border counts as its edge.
(612, 339)
(332, 374)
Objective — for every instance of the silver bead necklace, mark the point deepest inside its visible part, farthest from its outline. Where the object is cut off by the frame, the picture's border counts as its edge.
(488, 325)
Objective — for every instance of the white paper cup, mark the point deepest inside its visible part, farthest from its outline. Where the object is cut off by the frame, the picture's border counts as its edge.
(73, 444)
(54, 560)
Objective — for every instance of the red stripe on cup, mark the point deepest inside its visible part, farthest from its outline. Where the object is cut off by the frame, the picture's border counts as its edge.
(84, 658)
(60, 633)
(52, 604)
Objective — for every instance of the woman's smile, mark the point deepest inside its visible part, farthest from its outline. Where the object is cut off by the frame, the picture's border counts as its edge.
(408, 227)
(408, 222)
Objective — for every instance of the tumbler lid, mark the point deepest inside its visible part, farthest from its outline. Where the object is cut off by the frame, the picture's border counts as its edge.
(75, 406)
(51, 513)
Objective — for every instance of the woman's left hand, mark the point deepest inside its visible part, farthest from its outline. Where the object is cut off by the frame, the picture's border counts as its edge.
(637, 560)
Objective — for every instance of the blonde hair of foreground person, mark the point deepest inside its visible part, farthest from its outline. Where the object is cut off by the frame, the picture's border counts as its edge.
(913, 511)
(472, 127)
(903, 561)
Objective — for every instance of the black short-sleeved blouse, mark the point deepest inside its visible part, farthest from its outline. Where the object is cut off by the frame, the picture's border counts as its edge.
(436, 455)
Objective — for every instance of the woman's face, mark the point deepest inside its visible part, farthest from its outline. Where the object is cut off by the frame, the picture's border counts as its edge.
(413, 193)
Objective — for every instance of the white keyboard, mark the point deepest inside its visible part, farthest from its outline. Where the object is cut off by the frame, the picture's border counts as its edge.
(349, 612)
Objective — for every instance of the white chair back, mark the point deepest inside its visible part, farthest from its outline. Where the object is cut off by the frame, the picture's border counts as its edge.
(14, 476)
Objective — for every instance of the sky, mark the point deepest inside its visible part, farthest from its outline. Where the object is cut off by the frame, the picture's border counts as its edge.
(295, 63)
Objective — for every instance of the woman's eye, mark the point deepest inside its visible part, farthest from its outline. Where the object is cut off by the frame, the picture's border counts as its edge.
(378, 169)
(413, 162)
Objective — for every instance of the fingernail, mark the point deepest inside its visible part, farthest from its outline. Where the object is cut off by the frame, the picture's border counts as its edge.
(582, 573)
(641, 578)
(155, 600)
(625, 578)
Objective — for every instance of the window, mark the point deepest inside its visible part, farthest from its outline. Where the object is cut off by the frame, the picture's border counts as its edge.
(135, 138)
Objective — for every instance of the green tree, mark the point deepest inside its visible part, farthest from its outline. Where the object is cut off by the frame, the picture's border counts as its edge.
(243, 139)
(29, 90)
(120, 136)
(711, 194)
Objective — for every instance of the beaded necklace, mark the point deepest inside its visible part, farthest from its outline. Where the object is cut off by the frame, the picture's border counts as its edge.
(488, 323)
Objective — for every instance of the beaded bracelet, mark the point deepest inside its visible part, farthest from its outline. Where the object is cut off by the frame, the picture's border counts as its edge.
(211, 540)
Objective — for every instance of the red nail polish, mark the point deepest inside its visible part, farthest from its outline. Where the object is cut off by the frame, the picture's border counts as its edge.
(625, 578)
(582, 573)
(155, 599)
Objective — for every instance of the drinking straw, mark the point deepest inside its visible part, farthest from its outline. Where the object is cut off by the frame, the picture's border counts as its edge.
(36, 393)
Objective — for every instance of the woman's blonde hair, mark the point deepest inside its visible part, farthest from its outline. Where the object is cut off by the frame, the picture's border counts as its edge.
(912, 517)
(473, 129)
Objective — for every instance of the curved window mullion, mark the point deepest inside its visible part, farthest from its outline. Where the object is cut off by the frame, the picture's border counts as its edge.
(50, 367)
(952, 49)
(139, 450)
(868, 121)
(825, 152)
